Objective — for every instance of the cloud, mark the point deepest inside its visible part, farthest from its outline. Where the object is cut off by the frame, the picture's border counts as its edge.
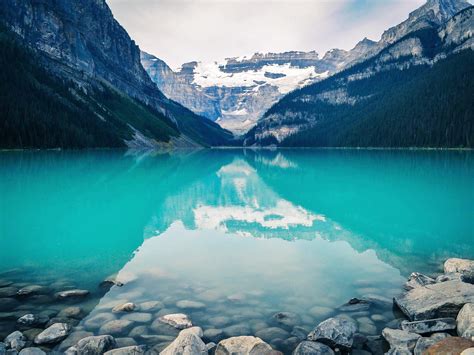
(179, 31)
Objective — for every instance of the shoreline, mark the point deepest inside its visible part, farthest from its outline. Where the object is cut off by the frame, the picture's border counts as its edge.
(438, 314)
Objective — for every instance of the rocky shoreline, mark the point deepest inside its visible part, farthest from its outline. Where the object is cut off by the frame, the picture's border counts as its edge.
(436, 317)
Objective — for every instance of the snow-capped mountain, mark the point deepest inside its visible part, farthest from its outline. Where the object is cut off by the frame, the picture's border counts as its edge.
(237, 91)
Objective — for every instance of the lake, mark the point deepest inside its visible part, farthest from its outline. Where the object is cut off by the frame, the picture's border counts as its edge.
(231, 238)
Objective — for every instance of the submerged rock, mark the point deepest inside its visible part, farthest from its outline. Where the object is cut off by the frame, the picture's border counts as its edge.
(53, 334)
(186, 304)
(312, 348)
(400, 338)
(177, 320)
(116, 327)
(416, 280)
(7, 304)
(9, 291)
(31, 290)
(429, 325)
(98, 320)
(128, 350)
(70, 312)
(126, 307)
(32, 320)
(454, 265)
(335, 332)
(187, 342)
(32, 351)
(435, 301)
(269, 334)
(247, 345)
(289, 319)
(465, 321)
(450, 345)
(72, 294)
(15, 341)
(95, 345)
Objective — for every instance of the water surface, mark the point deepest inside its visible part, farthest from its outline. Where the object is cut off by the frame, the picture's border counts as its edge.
(243, 233)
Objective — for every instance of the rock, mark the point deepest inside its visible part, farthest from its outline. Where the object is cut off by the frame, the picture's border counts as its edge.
(320, 311)
(9, 291)
(449, 277)
(213, 334)
(140, 330)
(124, 342)
(237, 330)
(337, 331)
(376, 344)
(3, 347)
(159, 327)
(151, 306)
(32, 320)
(312, 348)
(187, 342)
(289, 319)
(398, 351)
(422, 344)
(243, 345)
(400, 338)
(95, 345)
(53, 334)
(450, 345)
(71, 294)
(73, 338)
(177, 320)
(355, 305)
(126, 307)
(211, 346)
(469, 351)
(7, 304)
(454, 265)
(31, 334)
(70, 312)
(138, 317)
(98, 320)
(272, 333)
(15, 341)
(116, 327)
(429, 325)
(186, 304)
(299, 332)
(435, 301)
(32, 351)
(128, 350)
(31, 290)
(416, 280)
(71, 321)
(465, 321)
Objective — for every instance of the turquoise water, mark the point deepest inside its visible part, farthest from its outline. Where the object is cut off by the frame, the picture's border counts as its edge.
(244, 233)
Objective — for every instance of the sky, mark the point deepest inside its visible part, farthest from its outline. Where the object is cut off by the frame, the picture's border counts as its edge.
(180, 31)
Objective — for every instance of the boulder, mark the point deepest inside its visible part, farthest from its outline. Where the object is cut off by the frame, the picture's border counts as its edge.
(450, 345)
(454, 265)
(465, 321)
(243, 345)
(32, 351)
(95, 345)
(416, 280)
(312, 348)
(439, 300)
(128, 350)
(126, 307)
(187, 342)
(177, 320)
(429, 325)
(15, 341)
(335, 332)
(400, 339)
(71, 294)
(53, 334)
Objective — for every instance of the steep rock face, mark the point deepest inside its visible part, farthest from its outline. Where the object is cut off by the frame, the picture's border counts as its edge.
(237, 91)
(327, 102)
(81, 42)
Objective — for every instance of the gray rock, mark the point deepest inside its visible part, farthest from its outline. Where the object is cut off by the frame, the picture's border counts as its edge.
(247, 345)
(128, 350)
(400, 339)
(98, 320)
(458, 265)
(72, 294)
(289, 319)
(126, 307)
(32, 320)
(337, 331)
(423, 344)
(53, 334)
(95, 345)
(435, 301)
(465, 321)
(272, 333)
(429, 325)
(312, 348)
(70, 312)
(187, 342)
(177, 320)
(138, 317)
(416, 280)
(31, 290)
(116, 327)
(32, 351)
(186, 304)
(398, 351)
(15, 341)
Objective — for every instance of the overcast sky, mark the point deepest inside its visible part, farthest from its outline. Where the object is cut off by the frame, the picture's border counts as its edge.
(180, 31)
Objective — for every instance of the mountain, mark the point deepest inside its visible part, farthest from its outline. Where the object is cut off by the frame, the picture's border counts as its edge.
(84, 83)
(237, 91)
(414, 89)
